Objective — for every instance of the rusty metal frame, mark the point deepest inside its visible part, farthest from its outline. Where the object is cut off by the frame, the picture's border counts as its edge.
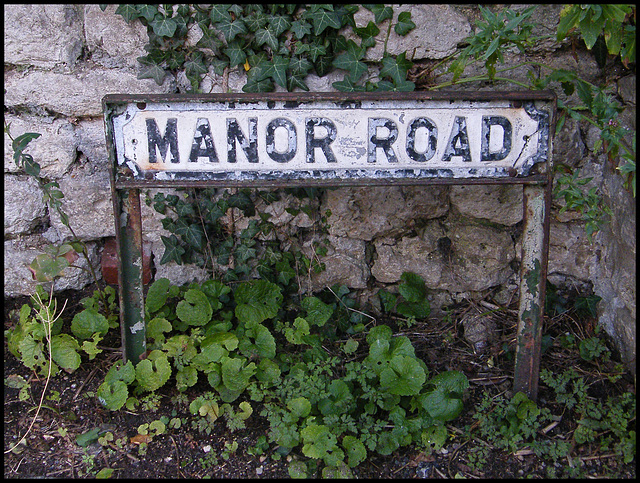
(536, 206)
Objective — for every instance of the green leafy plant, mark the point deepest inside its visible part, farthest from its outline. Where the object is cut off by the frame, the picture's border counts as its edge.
(274, 44)
(329, 411)
(608, 424)
(34, 341)
(606, 24)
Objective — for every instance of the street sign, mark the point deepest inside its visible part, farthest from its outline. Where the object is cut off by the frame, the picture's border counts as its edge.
(247, 140)
(333, 139)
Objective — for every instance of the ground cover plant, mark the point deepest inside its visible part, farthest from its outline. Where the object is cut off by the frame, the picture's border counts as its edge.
(583, 423)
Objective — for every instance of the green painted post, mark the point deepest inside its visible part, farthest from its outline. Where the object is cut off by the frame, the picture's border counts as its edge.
(130, 276)
(533, 276)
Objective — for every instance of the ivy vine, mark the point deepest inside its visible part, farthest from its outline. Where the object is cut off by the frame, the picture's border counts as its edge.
(276, 44)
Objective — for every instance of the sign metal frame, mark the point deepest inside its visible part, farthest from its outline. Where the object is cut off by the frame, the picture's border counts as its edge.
(535, 175)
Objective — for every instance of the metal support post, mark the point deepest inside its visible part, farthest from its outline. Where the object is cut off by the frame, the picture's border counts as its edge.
(129, 239)
(533, 274)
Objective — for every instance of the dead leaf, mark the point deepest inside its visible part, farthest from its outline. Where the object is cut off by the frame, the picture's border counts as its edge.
(141, 438)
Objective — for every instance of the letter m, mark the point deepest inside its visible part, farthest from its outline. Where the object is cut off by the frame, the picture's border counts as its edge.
(163, 143)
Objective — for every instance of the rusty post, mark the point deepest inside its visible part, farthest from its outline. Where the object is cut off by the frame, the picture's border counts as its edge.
(533, 270)
(129, 238)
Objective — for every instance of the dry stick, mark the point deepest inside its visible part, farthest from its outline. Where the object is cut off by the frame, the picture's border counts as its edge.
(349, 308)
(47, 327)
(89, 377)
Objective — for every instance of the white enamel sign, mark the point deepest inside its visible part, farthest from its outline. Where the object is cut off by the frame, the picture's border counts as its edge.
(249, 140)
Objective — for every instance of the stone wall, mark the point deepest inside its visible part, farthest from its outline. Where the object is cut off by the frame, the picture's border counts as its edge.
(60, 60)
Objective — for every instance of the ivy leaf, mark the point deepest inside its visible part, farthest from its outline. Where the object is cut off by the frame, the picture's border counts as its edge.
(293, 82)
(231, 28)
(172, 250)
(191, 233)
(151, 70)
(146, 11)
(195, 67)
(347, 85)
(367, 34)
(314, 50)
(218, 67)
(278, 24)
(87, 323)
(395, 68)
(154, 371)
(256, 21)
(220, 13)
(300, 28)
(404, 25)
(299, 65)
(350, 61)
(266, 36)
(236, 54)
(64, 351)
(277, 70)
(323, 18)
(209, 40)
(404, 86)
(164, 27)
(128, 12)
(195, 308)
(380, 11)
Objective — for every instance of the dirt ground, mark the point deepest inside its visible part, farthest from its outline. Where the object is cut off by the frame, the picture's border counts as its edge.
(71, 409)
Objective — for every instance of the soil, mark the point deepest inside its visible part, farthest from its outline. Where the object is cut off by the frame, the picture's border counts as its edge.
(70, 409)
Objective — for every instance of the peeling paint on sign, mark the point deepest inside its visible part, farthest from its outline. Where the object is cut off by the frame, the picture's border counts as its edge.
(245, 141)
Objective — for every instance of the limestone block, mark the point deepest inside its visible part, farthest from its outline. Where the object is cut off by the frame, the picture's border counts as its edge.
(177, 274)
(496, 203)
(113, 41)
(87, 202)
(92, 142)
(468, 258)
(42, 35)
(23, 205)
(20, 253)
(627, 89)
(568, 146)
(439, 28)
(214, 83)
(54, 150)
(78, 94)
(345, 264)
(545, 18)
(367, 213)
(570, 253)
